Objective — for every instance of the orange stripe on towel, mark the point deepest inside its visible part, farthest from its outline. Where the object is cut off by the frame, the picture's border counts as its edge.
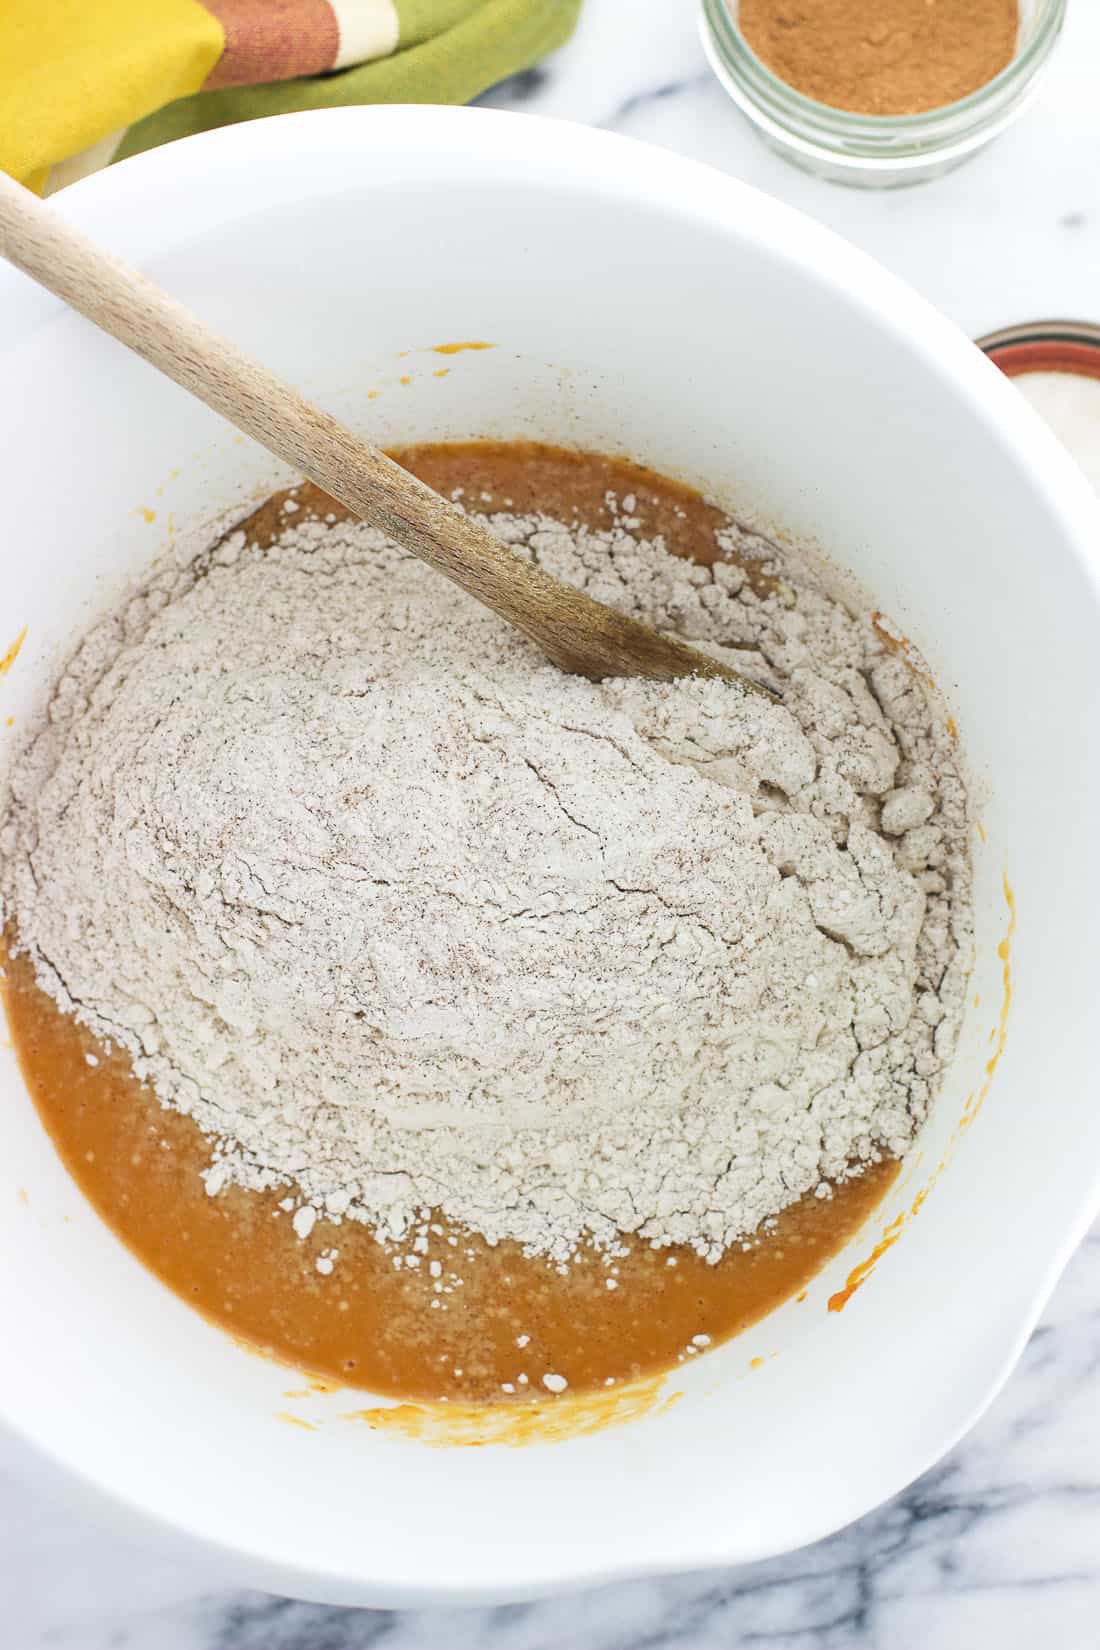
(273, 40)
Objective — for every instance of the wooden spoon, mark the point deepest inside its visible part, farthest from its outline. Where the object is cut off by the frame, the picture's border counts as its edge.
(574, 631)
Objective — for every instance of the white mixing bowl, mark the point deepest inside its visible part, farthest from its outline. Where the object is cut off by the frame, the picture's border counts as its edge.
(641, 303)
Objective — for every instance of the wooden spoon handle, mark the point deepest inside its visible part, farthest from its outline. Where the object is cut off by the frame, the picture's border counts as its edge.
(574, 631)
(140, 315)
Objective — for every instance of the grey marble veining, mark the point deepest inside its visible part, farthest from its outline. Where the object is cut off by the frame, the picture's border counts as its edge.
(1000, 1544)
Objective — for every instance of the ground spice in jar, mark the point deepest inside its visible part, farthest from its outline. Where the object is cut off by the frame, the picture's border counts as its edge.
(897, 57)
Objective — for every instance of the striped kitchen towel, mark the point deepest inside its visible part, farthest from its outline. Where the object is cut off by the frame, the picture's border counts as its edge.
(84, 82)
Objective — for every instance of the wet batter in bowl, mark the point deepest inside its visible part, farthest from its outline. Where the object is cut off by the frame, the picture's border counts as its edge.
(709, 966)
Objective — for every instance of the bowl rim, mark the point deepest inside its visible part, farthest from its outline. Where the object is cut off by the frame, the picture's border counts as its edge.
(574, 151)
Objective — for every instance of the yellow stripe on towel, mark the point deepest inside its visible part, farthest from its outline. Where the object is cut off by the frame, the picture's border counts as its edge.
(77, 70)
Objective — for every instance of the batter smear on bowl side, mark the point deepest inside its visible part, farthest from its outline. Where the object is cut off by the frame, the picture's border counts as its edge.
(466, 1028)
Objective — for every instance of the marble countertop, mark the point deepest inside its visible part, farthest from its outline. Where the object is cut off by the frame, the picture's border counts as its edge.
(999, 1544)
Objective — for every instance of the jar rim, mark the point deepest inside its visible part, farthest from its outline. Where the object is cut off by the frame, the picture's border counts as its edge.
(1061, 346)
(784, 102)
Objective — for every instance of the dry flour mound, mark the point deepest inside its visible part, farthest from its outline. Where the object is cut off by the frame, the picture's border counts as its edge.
(404, 917)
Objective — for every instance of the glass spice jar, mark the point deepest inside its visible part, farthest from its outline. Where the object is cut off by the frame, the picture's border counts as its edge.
(877, 151)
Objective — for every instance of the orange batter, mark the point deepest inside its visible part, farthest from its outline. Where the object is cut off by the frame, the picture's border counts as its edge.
(464, 1320)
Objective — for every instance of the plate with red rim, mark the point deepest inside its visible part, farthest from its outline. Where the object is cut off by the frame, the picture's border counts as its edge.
(1045, 346)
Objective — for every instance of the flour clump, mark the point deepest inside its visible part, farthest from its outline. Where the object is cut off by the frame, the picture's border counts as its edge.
(407, 919)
